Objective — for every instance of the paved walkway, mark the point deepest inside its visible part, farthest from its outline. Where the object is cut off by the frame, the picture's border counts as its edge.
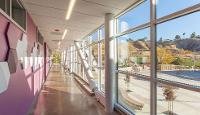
(61, 95)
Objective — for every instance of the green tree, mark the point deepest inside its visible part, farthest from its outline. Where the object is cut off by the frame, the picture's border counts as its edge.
(198, 36)
(130, 40)
(193, 35)
(143, 39)
(177, 37)
(160, 40)
(56, 57)
(165, 56)
(177, 61)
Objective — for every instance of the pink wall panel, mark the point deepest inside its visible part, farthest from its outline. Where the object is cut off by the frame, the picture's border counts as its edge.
(13, 34)
(3, 46)
(31, 34)
(36, 82)
(25, 84)
(16, 100)
(12, 60)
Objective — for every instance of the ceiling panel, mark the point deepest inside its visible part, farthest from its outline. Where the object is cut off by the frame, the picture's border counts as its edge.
(87, 15)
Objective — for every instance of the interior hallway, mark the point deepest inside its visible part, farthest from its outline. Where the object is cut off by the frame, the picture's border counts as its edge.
(61, 95)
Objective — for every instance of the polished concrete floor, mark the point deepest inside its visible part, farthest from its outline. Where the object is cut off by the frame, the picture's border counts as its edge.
(61, 95)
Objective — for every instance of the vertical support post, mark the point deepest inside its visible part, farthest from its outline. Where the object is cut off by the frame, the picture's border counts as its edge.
(90, 53)
(99, 59)
(109, 104)
(71, 59)
(153, 58)
(45, 61)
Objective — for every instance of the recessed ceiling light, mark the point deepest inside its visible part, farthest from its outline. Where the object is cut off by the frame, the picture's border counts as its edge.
(70, 8)
(56, 30)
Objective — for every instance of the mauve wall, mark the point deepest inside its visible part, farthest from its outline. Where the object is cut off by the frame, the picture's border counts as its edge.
(25, 82)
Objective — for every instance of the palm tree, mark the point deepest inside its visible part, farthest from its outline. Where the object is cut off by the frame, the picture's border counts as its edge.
(169, 94)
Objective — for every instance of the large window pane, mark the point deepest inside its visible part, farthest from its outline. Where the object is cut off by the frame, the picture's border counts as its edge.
(8, 6)
(86, 52)
(87, 41)
(178, 52)
(134, 58)
(95, 54)
(177, 101)
(135, 17)
(165, 7)
(134, 96)
(2, 4)
(94, 37)
(19, 13)
(102, 59)
(79, 67)
(5, 6)
(134, 52)
(102, 33)
(94, 62)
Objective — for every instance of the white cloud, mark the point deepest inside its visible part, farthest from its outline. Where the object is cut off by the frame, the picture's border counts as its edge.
(124, 26)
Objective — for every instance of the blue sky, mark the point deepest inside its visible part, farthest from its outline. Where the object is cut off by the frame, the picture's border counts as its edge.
(167, 30)
(187, 24)
(136, 35)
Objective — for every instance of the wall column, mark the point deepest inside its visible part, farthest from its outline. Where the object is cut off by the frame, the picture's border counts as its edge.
(71, 59)
(45, 61)
(109, 61)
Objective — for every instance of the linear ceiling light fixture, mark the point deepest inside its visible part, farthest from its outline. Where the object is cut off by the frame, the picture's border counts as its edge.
(59, 43)
(70, 8)
(64, 34)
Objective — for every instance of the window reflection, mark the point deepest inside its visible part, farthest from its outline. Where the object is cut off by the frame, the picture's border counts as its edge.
(132, 95)
(172, 100)
(134, 58)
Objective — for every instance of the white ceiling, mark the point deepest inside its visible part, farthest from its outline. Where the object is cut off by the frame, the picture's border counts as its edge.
(86, 16)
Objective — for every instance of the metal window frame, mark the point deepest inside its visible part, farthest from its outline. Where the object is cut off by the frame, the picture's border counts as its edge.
(153, 55)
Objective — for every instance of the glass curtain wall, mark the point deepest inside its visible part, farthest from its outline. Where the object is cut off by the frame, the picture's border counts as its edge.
(94, 50)
(92, 47)
(177, 57)
(101, 58)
